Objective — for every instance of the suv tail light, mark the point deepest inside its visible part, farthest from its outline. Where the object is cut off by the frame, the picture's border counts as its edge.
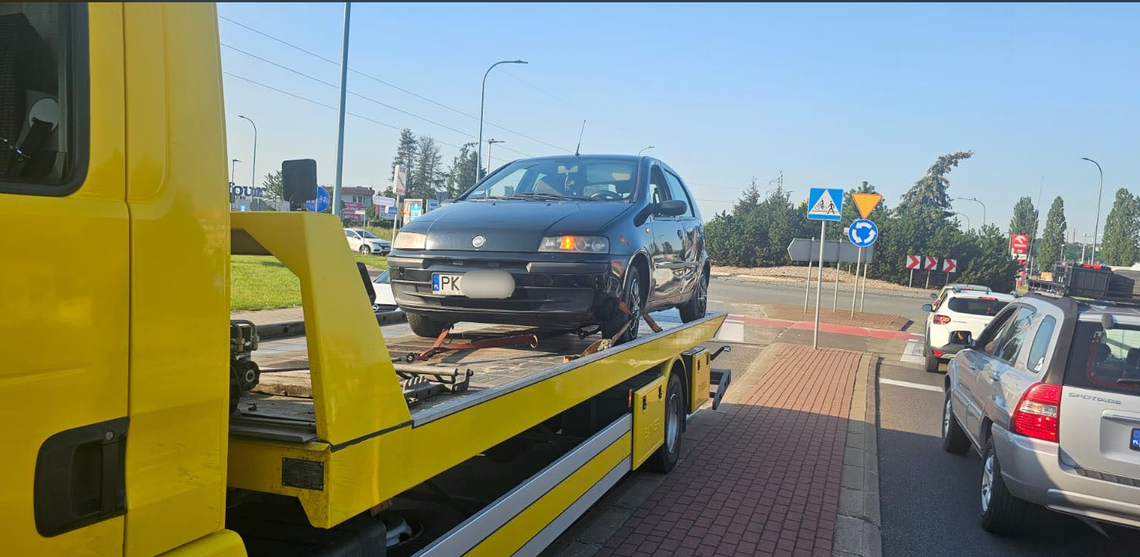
(1038, 413)
(941, 319)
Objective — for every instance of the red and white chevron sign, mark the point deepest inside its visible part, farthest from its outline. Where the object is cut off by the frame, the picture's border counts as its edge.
(913, 261)
(931, 263)
(950, 265)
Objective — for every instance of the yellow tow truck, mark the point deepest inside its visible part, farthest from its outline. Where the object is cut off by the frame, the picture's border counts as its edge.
(132, 430)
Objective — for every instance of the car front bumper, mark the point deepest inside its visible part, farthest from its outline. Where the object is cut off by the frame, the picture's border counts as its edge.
(549, 290)
(1033, 471)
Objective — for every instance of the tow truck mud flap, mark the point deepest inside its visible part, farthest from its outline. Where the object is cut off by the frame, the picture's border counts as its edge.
(722, 378)
(526, 520)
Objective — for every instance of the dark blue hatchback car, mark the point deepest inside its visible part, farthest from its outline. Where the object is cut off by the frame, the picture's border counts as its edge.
(556, 242)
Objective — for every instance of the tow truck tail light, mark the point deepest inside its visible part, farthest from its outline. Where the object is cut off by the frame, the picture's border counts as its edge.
(1038, 413)
(940, 319)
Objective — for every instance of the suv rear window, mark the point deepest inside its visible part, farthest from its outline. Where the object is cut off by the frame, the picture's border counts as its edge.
(976, 306)
(1105, 360)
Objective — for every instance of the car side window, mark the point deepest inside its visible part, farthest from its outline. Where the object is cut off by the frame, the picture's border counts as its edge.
(1040, 344)
(658, 187)
(1013, 337)
(677, 191)
(43, 78)
(938, 302)
(348, 234)
(987, 341)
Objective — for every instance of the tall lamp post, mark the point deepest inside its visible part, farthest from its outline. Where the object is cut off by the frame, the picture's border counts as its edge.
(336, 201)
(1096, 223)
(968, 225)
(491, 142)
(482, 97)
(644, 149)
(253, 169)
(975, 200)
(233, 165)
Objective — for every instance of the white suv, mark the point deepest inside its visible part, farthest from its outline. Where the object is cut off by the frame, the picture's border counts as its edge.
(365, 242)
(956, 318)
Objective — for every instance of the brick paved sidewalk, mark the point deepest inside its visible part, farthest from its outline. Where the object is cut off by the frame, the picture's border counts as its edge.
(766, 479)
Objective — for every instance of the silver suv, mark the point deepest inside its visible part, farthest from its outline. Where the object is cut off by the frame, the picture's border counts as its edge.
(1049, 395)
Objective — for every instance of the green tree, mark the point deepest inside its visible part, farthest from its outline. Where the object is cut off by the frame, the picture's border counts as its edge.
(928, 194)
(406, 152)
(272, 185)
(1024, 220)
(1122, 231)
(747, 202)
(1053, 238)
(425, 177)
(461, 173)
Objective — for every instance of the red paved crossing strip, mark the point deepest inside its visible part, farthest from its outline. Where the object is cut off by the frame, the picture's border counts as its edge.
(765, 480)
(826, 328)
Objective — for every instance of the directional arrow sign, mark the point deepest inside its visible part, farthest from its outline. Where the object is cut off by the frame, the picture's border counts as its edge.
(807, 249)
(931, 263)
(866, 202)
(950, 265)
(913, 261)
(862, 233)
(825, 204)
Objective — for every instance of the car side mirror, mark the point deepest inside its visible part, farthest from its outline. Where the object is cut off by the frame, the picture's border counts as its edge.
(927, 308)
(672, 208)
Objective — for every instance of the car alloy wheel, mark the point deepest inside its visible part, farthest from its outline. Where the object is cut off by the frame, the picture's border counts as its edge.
(987, 481)
(672, 420)
(946, 417)
(703, 295)
(634, 304)
(365, 250)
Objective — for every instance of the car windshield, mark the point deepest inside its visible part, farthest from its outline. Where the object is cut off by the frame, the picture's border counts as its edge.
(577, 178)
(976, 306)
(1105, 360)
(368, 234)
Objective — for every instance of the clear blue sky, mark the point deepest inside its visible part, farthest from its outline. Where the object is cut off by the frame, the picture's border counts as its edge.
(830, 94)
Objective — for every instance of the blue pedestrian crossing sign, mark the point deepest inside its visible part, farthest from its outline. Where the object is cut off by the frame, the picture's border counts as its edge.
(863, 233)
(825, 204)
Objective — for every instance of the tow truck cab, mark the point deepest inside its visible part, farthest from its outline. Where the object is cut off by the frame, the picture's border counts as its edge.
(118, 394)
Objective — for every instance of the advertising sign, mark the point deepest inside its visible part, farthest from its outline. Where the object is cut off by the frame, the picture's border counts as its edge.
(1019, 244)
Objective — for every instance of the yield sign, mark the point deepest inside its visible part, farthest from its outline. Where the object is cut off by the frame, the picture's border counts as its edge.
(866, 202)
(950, 265)
(931, 263)
(913, 261)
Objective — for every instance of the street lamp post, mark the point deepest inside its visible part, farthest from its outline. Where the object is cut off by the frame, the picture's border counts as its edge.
(482, 97)
(643, 149)
(968, 225)
(253, 168)
(233, 165)
(975, 200)
(491, 142)
(1096, 223)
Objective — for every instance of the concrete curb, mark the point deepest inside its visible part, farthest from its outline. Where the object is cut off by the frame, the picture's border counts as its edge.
(858, 528)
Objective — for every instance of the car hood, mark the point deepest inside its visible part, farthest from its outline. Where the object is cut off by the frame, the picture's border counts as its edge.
(511, 225)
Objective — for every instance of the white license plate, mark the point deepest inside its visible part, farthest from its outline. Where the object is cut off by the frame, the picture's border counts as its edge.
(446, 284)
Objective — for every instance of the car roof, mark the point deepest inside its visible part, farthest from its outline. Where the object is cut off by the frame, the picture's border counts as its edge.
(631, 158)
(965, 286)
(975, 294)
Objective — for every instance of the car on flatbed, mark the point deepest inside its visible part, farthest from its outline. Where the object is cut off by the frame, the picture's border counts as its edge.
(955, 318)
(557, 242)
(1049, 396)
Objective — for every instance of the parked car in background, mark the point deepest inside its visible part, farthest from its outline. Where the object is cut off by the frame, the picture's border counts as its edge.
(956, 318)
(1049, 395)
(366, 243)
(385, 301)
(556, 242)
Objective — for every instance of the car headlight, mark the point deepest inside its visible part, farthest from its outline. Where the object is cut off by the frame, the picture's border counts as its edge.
(581, 244)
(410, 240)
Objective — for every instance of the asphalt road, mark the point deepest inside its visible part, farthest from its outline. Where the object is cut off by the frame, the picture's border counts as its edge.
(930, 498)
(737, 295)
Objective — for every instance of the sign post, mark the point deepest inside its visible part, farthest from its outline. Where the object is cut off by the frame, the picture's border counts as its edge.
(912, 263)
(855, 291)
(862, 234)
(399, 187)
(807, 285)
(823, 205)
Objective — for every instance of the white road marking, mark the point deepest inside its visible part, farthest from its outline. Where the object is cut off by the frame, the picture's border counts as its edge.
(910, 385)
(731, 331)
(912, 354)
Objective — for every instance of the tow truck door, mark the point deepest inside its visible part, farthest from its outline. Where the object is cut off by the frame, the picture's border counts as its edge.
(64, 278)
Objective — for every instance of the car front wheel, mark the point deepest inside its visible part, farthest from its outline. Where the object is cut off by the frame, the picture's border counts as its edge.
(365, 250)
(1001, 512)
(425, 326)
(631, 296)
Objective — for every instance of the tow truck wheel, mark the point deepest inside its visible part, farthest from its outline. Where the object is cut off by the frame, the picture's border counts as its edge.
(666, 457)
(425, 326)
